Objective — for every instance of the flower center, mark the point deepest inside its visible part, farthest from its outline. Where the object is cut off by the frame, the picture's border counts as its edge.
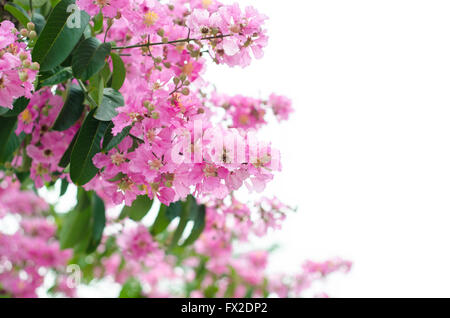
(155, 164)
(25, 116)
(117, 159)
(102, 3)
(210, 171)
(150, 18)
(206, 3)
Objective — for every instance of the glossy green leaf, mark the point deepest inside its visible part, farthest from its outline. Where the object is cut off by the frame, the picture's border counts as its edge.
(110, 141)
(65, 159)
(89, 58)
(99, 222)
(58, 77)
(131, 289)
(25, 3)
(74, 227)
(107, 109)
(96, 87)
(119, 71)
(59, 36)
(138, 209)
(72, 109)
(18, 12)
(98, 22)
(199, 224)
(8, 137)
(87, 145)
(166, 215)
(39, 22)
(64, 186)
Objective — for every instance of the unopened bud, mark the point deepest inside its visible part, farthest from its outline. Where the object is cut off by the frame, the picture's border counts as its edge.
(24, 32)
(32, 34)
(185, 91)
(35, 66)
(23, 56)
(165, 40)
(23, 76)
(167, 65)
(26, 63)
(30, 26)
(176, 80)
(160, 32)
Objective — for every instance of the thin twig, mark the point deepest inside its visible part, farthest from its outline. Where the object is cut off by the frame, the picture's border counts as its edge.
(170, 42)
(88, 96)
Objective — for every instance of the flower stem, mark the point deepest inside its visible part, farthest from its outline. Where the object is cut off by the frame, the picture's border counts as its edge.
(170, 42)
(88, 96)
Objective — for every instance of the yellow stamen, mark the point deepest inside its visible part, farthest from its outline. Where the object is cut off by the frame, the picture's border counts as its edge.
(26, 116)
(150, 18)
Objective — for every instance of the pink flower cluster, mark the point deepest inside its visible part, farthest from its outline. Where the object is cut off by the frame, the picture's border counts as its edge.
(176, 147)
(250, 113)
(17, 72)
(46, 146)
(17, 201)
(30, 253)
(232, 35)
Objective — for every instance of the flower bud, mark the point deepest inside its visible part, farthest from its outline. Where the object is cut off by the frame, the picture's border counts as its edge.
(23, 76)
(24, 32)
(185, 91)
(165, 40)
(160, 32)
(32, 34)
(30, 26)
(23, 56)
(26, 63)
(35, 66)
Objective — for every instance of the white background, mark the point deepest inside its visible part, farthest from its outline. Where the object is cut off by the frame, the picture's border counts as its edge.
(366, 156)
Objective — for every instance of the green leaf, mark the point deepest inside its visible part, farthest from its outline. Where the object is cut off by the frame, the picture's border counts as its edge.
(58, 38)
(99, 222)
(39, 22)
(89, 58)
(64, 186)
(19, 106)
(18, 12)
(8, 137)
(96, 87)
(75, 225)
(138, 209)
(60, 76)
(199, 225)
(87, 145)
(98, 22)
(119, 71)
(107, 109)
(65, 159)
(131, 289)
(166, 215)
(36, 3)
(110, 141)
(72, 109)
